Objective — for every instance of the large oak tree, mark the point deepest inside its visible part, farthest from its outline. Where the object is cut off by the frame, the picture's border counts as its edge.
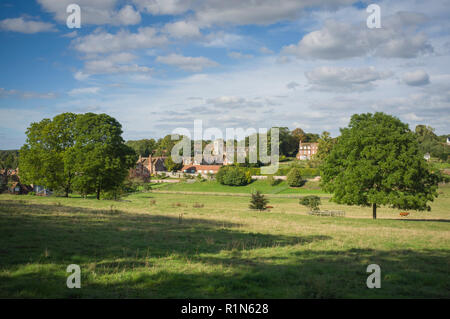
(84, 152)
(376, 161)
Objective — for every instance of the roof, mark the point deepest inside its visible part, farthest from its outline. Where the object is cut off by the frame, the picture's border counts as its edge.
(202, 167)
(146, 160)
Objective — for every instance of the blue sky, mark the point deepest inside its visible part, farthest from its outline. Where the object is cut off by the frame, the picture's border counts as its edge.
(156, 65)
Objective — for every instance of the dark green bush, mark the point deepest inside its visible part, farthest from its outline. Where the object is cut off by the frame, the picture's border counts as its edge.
(258, 201)
(233, 176)
(312, 202)
(294, 178)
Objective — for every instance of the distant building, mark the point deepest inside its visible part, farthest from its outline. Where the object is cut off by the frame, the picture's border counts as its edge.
(201, 169)
(147, 166)
(448, 140)
(307, 150)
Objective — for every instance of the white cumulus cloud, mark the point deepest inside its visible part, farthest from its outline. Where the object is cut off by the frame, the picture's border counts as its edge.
(23, 25)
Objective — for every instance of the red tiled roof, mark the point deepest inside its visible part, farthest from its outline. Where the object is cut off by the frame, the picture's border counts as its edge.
(201, 167)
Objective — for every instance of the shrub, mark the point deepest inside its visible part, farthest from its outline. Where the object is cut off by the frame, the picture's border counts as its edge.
(312, 202)
(233, 176)
(272, 181)
(258, 201)
(294, 178)
(248, 176)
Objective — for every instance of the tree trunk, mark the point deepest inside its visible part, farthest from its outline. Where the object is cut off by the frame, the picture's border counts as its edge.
(374, 211)
(98, 193)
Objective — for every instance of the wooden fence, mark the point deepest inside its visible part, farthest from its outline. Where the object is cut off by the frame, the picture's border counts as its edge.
(332, 213)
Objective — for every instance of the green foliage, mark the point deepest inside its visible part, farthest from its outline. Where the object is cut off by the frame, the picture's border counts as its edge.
(326, 143)
(233, 176)
(301, 135)
(9, 159)
(429, 142)
(46, 158)
(272, 181)
(305, 171)
(102, 160)
(83, 152)
(200, 178)
(377, 161)
(171, 166)
(294, 177)
(258, 201)
(312, 202)
(147, 147)
(144, 147)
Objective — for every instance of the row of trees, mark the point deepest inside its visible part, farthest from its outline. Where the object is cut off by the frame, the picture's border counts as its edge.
(430, 143)
(76, 152)
(289, 141)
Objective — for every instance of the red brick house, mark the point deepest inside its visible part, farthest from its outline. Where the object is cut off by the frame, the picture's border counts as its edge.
(307, 150)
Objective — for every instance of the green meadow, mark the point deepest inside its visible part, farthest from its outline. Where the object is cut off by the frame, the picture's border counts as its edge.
(263, 186)
(171, 245)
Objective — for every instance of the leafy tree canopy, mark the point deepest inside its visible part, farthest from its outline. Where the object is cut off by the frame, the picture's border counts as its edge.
(84, 152)
(45, 158)
(312, 202)
(430, 143)
(294, 177)
(9, 159)
(376, 161)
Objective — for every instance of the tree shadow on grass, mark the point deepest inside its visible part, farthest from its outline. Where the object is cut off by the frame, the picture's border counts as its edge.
(301, 274)
(61, 234)
(315, 274)
(117, 253)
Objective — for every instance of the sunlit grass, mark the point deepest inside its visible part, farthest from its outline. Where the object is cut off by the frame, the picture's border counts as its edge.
(159, 245)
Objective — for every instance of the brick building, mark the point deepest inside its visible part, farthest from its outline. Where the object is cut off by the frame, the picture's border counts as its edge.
(147, 166)
(307, 150)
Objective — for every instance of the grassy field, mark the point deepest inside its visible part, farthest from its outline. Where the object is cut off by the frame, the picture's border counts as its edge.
(157, 245)
(261, 185)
